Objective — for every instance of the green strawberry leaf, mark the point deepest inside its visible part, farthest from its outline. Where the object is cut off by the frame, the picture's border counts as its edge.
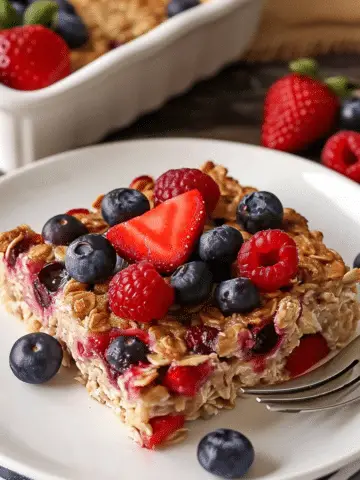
(9, 17)
(41, 12)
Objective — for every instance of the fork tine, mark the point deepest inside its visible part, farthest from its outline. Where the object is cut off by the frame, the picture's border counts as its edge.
(329, 402)
(331, 387)
(332, 369)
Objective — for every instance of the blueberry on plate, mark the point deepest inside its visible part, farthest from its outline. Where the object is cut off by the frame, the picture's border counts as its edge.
(192, 283)
(350, 114)
(259, 211)
(177, 6)
(122, 204)
(71, 28)
(63, 229)
(357, 261)
(238, 295)
(90, 259)
(226, 453)
(36, 358)
(126, 351)
(221, 244)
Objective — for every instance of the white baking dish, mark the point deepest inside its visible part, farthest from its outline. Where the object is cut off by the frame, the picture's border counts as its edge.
(115, 89)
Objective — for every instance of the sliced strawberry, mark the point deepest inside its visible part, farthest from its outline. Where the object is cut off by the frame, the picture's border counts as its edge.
(187, 380)
(165, 235)
(311, 350)
(163, 427)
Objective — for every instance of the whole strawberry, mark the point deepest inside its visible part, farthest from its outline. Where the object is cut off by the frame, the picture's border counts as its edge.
(299, 109)
(32, 57)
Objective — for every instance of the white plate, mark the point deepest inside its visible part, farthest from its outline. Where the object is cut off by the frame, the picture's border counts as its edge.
(57, 432)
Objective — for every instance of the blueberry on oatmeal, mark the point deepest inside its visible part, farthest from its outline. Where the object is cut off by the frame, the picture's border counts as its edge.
(177, 6)
(36, 358)
(226, 453)
(221, 244)
(124, 352)
(122, 204)
(238, 295)
(357, 261)
(53, 276)
(265, 339)
(90, 259)
(71, 28)
(259, 211)
(63, 229)
(192, 283)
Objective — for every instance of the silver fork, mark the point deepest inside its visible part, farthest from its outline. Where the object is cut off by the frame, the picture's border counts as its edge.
(332, 385)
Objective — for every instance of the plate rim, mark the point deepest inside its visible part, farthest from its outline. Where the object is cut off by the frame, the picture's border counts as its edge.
(39, 474)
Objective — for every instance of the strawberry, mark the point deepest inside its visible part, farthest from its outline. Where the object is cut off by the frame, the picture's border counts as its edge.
(342, 154)
(32, 57)
(162, 428)
(311, 350)
(298, 110)
(187, 380)
(165, 235)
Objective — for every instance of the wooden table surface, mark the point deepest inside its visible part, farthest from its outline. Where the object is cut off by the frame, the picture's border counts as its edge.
(227, 107)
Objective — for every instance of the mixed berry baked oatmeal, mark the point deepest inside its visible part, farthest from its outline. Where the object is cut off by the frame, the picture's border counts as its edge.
(171, 294)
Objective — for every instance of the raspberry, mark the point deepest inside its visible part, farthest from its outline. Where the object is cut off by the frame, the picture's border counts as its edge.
(309, 352)
(162, 428)
(201, 339)
(269, 259)
(174, 182)
(342, 154)
(139, 293)
(187, 380)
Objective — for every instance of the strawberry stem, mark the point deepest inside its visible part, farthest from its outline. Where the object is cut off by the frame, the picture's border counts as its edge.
(339, 85)
(305, 66)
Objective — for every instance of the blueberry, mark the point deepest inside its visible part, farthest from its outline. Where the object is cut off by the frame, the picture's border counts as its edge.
(238, 295)
(192, 283)
(72, 29)
(53, 276)
(90, 259)
(265, 339)
(120, 264)
(221, 244)
(126, 351)
(66, 6)
(20, 7)
(35, 358)
(226, 453)
(350, 114)
(49, 280)
(122, 204)
(260, 211)
(357, 261)
(63, 229)
(178, 6)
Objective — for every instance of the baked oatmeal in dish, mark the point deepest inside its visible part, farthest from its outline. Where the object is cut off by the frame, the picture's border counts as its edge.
(112, 23)
(171, 294)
